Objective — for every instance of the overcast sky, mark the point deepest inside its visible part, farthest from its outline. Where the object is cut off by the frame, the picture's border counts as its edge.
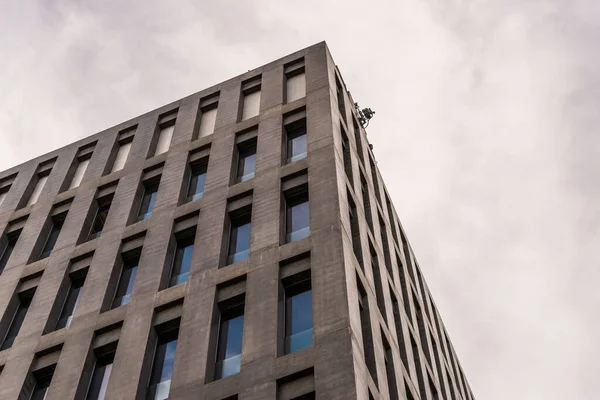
(486, 134)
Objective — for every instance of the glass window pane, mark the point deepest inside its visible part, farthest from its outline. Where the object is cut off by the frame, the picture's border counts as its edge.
(37, 190)
(2, 196)
(164, 140)
(52, 238)
(16, 323)
(182, 262)
(299, 320)
(296, 87)
(247, 164)
(197, 180)
(121, 157)
(251, 105)
(147, 205)
(207, 122)
(79, 172)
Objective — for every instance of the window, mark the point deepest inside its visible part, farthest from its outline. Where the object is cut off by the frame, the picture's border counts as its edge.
(207, 121)
(148, 199)
(298, 313)
(375, 179)
(357, 138)
(355, 231)
(162, 368)
(24, 301)
(183, 260)
(389, 368)
(417, 358)
(121, 156)
(378, 284)
(100, 218)
(231, 328)
(251, 106)
(197, 179)
(296, 141)
(164, 139)
(126, 280)
(42, 383)
(366, 201)
(367, 334)
(246, 161)
(79, 172)
(68, 309)
(297, 216)
(399, 332)
(39, 187)
(239, 237)
(7, 246)
(100, 377)
(340, 98)
(295, 85)
(347, 156)
(3, 193)
(57, 224)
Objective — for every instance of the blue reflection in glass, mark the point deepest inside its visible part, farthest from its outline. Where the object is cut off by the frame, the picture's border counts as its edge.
(301, 326)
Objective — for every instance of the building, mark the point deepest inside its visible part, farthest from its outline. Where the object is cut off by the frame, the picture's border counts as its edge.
(238, 243)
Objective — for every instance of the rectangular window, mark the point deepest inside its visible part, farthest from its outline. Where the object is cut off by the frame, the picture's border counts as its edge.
(39, 187)
(297, 216)
(246, 161)
(148, 199)
(42, 384)
(298, 313)
(340, 99)
(197, 180)
(121, 157)
(386, 246)
(375, 180)
(162, 367)
(164, 138)
(24, 300)
(357, 138)
(378, 284)
(57, 224)
(100, 377)
(367, 334)
(103, 204)
(251, 106)
(208, 119)
(3, 193)
(8, 245)
(295, 85)
(296, 146)
(417, 358)
(79, 172)
(126, 280)
(347, 156)
(399, 332)
(231, 329)
(355, 230)
(239, 237)
(68, 309)
(389, 368)
(183, 260)
(366, 201)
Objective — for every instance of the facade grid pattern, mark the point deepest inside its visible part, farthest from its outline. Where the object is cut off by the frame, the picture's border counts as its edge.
(144, 242)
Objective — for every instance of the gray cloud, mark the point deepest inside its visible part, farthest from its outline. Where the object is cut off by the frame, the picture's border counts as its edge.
(485, 132)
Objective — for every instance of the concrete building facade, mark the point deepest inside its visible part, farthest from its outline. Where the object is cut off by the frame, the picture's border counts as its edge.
(238, 243)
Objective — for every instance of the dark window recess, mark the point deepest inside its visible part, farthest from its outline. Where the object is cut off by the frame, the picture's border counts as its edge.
(409, 395)
(100, 377)
(162, 367)
(389, 368)
(433, 389)
(367, 334)
(126, 280)
(57, 224)
(399, 332)
(340, 99)
(307, 396)
(229, 348)
(239, 238)
(438, 365)
(246, 161)
(417, 358)
(405, 286)
(297, 217)
(298, 314)
(452, 394)
(100, 218)
(296, 147)
(148, 200)
(375, 180)
(367, 202)
(197, 180)
(68, 309)
(7, 247)
(422, 331)
(359, 148)
(386, 247)
(355, 230)
(42, 384)
(347, 156)
(378, 284)
(392, 219)
(17, 320)
(407, 257)
(183, 260)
